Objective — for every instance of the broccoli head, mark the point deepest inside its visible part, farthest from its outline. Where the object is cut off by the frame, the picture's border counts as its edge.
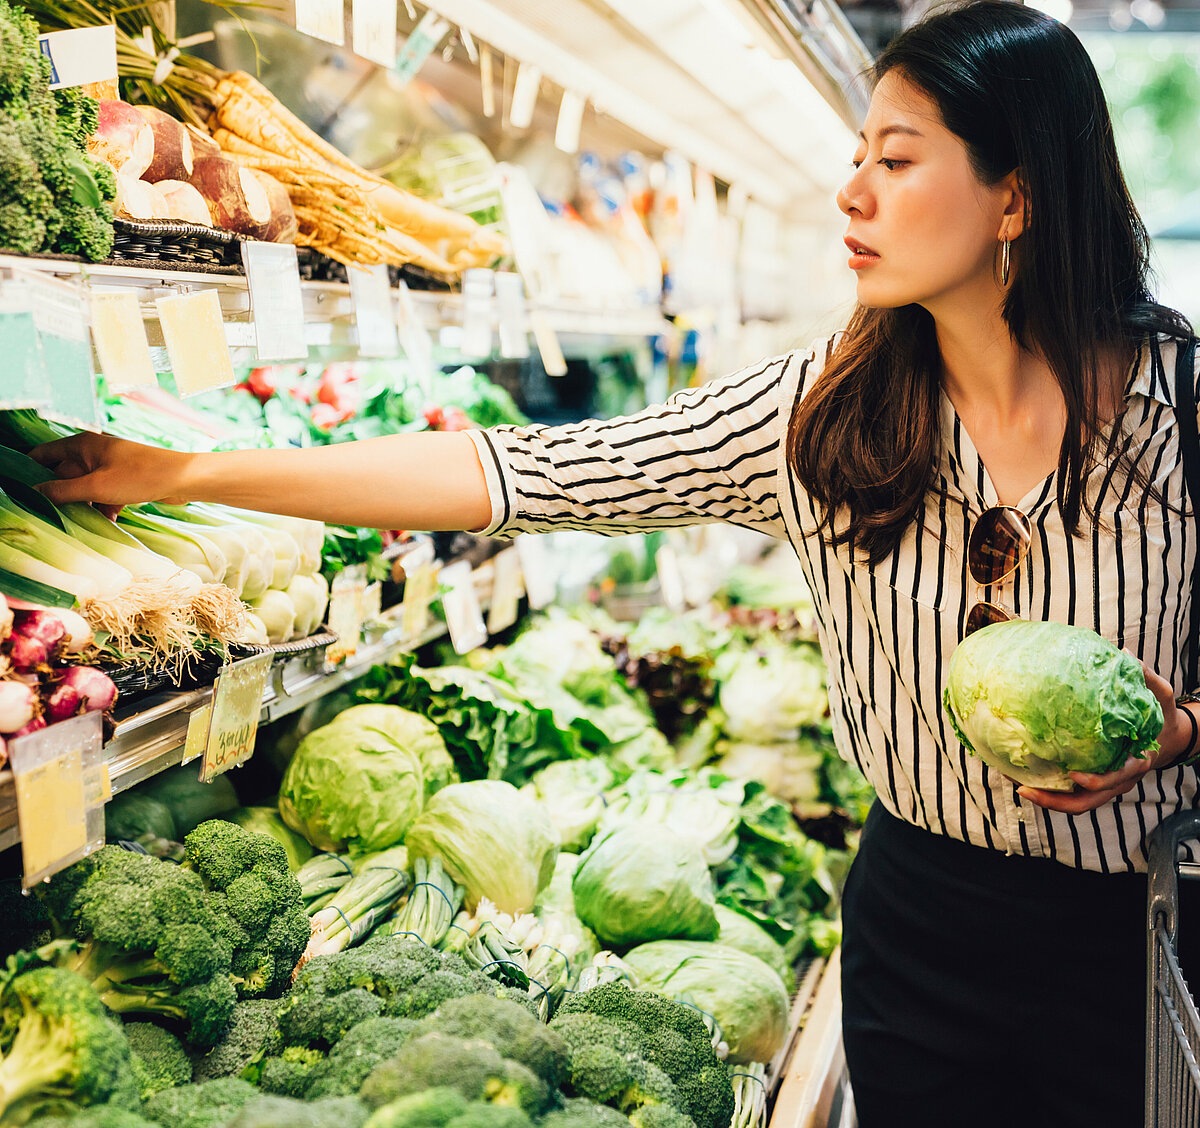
(284, 1112)
(26, 924)
(211, 1104)
(480, 1114)
(98, 1116)
(159, 1061)
(475, 1068)
(430, 1108)
(360, 1051)
(509, 1027)
(60, 1049)
(291, 1073)
(257, 900)
(582, 1113)
(146, 939)
(252, 1034)
(668, 1035)
(660, 1116)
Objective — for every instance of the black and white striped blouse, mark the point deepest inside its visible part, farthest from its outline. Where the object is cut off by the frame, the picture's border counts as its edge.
(717, 453)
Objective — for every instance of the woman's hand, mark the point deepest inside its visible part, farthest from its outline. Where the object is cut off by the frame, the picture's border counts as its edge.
(1094, 790)
(111, 472)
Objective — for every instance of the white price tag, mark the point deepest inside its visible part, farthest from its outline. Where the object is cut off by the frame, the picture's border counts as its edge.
(670, 578)
(375, 30)
(477, 288)
(24, 383)
(195, 338)
(419, 46)
(61, 319)
(414, 339)
(508, 585)
(60, 808)
(525, 96)
(540, 581)
(510, 309)
(322, 19)
(81, 55)
(346, 611)
(570, 122)
(548, 345)
(420, 588)
(236, 708)
(464, 616)
(275, 300)
(487, 81)
(119, 335)
(373, 311)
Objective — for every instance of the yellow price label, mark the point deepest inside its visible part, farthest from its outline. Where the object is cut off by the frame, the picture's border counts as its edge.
(420, 586)
(236, 708)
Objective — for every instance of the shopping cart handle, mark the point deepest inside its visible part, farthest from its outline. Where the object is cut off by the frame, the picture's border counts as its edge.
(1162, 871)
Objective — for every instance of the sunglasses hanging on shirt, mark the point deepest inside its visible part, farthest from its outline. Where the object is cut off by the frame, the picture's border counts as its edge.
(998, 544)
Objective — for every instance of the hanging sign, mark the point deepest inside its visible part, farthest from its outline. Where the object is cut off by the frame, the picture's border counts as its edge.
(464, 616)
(477, 289)
(374, 24)
(425, 37)
(24, 383)
(322, 19)
(570, 122)
(273, 273)
(373, 313)
(80, 55)
(346, 611)
(548, 344)
(236, 708)
(510, 312)
(119, 336)
(60, 315)
(508, 586)
(525, 95)
(414, 339)
(540, 581)
(195, 338)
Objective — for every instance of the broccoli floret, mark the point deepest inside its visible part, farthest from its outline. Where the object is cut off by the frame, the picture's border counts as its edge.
(99, 1116)
(258, 900)
(209, 1105)
(509, 1027)
(159, 1061)
(307, 1018)
(475, 1068)
(580, 1113)
(359, 1052)
(251, 1036)
(24, 922)
(482, 1115)
(430, 1108)
(146, 939)
(622, 1081)
(664, 1033)
(60, 1050)
(660, 1116)
(292, 1072)
(284, 1112)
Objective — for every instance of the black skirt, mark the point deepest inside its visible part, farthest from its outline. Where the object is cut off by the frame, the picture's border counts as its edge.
(980, 989)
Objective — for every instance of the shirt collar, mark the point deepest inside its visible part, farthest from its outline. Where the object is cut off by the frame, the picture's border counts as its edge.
(1153, 372)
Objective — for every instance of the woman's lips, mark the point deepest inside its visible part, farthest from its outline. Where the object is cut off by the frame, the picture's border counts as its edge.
(860, 254)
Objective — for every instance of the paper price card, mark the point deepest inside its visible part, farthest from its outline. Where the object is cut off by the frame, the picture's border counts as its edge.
(60, 808)
(346, 611)
(197, 733)
(419, 46)
(60, 315)
(510, 307)
(119, 335)
(275, 300)
(24, 383)
(540, 581)
(375, 30)
(420, 588)
(670, 578)
(508, 585)
(548, 344)
(236, 707)
(80, 55)
(322, 19)
(373, 312)
(478, 287)
(414, 338)
(195, 338)
(464, 616)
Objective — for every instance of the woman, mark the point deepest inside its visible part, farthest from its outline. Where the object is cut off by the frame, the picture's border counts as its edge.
(1005, 352)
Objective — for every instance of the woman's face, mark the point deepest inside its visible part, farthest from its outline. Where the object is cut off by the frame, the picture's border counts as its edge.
(916, 203)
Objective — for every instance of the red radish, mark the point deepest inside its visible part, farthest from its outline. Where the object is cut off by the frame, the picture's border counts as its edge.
(184, 202)
(173, 153)
(28, 654)
(36, 725)
(79, 689)
(263, 382)
(236, 201)
(6, 619)
(74, 637)
(18, 706)
(123, 138)
(281, 227)
(138, 200)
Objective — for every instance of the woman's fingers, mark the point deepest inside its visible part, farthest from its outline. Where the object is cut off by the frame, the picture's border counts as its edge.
(108, 471)
(1092, 789)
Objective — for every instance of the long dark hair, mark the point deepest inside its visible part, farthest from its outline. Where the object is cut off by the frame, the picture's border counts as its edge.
(1020, 91)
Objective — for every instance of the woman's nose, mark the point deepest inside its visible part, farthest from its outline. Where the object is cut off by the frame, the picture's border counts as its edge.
(853, 196)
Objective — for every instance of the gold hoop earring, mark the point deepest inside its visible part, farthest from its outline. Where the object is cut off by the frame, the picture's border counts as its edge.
(1005, 262)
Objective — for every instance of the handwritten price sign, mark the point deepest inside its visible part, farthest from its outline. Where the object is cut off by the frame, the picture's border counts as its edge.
(236, 707)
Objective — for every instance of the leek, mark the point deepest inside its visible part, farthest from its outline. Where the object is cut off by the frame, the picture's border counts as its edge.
(278, 614)
(176, 541)
(310, 599)
(309, 536)
(239, 540)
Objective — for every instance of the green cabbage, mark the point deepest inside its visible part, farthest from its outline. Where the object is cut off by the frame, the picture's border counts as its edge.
(740, 932)
(1038, 700)
(493, 840)
(555, 908)
(413, 731)
(742, 993)
(769, 692)
(266, 820)
(572, 793)
(645, 881)
(352, 787)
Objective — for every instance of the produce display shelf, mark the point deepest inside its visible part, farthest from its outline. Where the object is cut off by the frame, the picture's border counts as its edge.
(154, 737)
(329, 310)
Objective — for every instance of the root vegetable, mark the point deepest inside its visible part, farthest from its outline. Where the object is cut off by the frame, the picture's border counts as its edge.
(236, 201)
(28, 653)
(59, 629)
(80, 689)
(36, 725)
(18, 706)
(123, 138)
(184, 202)
(173, 156)
(281, 228)
(202, 144)
(136, 199)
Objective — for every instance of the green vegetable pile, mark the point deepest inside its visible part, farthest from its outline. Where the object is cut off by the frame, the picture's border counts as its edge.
(55, 197)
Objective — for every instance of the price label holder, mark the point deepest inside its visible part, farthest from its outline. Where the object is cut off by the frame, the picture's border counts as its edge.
(525, 95)
(119, 337)
(81, 55)
(60, 315)
(372, 604)
(670, 578)
(346, 612)
(414, 338)
(425, 37)
(236, 708)
(197, 733)
(373, 312)
(477, 288)
(374, 25)
(276, 302)
(60, 805)
(420, 587)
(510, 309)
(548, 344)
(322, 19)
(464, 616)
(195, 336)
(541, 583)
(24, 383)
(570, 122)
(508, 585)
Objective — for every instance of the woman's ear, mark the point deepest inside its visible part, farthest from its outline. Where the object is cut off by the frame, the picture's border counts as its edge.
(1016, 215)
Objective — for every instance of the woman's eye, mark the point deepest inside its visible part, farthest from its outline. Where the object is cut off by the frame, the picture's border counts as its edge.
(856, 164)
(890, 164)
